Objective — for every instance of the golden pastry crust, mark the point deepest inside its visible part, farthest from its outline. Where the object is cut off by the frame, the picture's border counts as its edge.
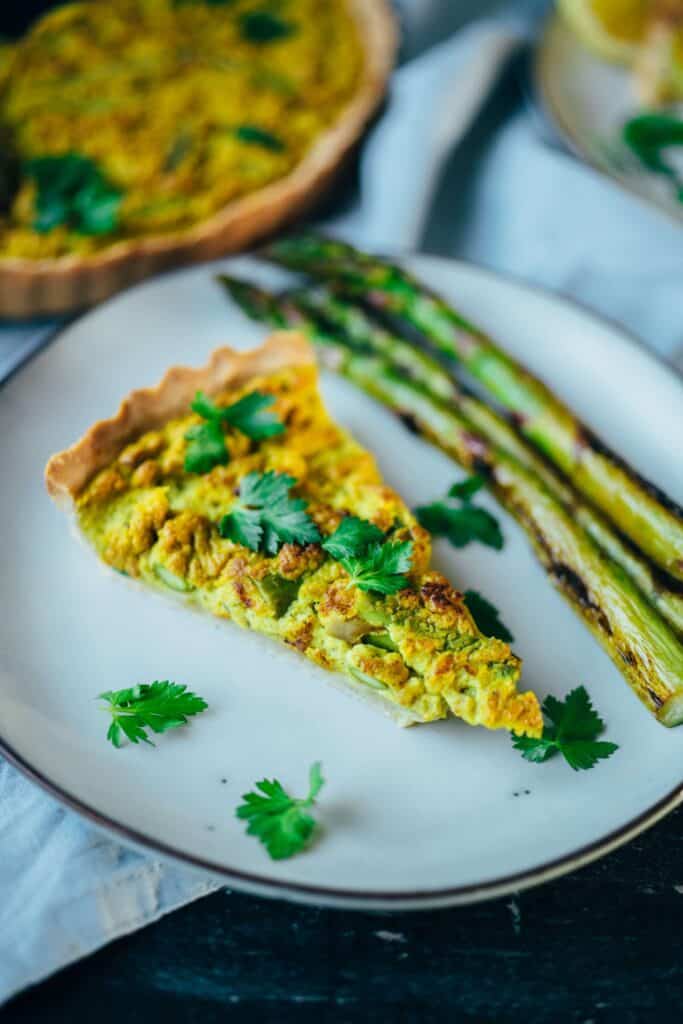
(67, 472)
(32, 287)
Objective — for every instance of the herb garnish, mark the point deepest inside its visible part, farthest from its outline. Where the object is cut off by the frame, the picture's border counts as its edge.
(372, 563)
(383, 568)
(278, 820)
(648, 135)
(463, 524)
(158, 706)
(71, 190)
(264, 27)
(467, 488)
(255, 136)
(207, 447)
(575, 726)
(265, 517)
(352, 537)
(487, 617)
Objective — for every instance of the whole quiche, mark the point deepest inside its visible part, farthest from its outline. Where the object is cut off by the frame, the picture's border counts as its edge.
(136, 134)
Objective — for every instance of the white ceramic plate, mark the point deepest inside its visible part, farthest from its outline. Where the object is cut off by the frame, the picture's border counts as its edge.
(420, 817)
(587, 100)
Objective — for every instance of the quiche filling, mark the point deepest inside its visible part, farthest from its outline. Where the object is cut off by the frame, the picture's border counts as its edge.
(188, 531)
(137, 117)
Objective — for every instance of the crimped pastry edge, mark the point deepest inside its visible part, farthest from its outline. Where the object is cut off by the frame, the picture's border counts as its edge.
(146, 408)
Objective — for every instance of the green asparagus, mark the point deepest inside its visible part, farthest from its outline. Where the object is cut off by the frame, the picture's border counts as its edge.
(306, 310)
(640, 643)
(643, 513)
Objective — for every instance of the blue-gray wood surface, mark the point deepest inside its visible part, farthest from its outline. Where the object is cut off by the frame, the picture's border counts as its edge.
(600, 946)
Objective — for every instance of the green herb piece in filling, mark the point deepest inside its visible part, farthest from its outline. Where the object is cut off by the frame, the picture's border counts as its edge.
(72, 190)
(255, 136)
(278, 591)
(264, 27)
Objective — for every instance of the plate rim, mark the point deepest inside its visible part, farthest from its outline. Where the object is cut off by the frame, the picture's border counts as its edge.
(365, 899)
(553, 115)
(390, 899)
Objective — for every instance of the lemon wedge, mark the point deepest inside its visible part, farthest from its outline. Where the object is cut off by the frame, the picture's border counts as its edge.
(613, 29)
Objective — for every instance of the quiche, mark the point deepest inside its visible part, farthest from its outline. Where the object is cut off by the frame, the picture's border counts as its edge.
(232, 488)
(136, 133)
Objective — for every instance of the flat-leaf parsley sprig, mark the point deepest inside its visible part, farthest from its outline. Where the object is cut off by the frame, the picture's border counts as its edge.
(464, 523)
(487, 617)
(251, 415)
(372, 562)
(279, 821)
(265, 517)
(573, 731)
(158, 706)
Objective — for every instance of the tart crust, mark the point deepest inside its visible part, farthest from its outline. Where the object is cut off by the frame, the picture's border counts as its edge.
(67, 472)
(32, 287)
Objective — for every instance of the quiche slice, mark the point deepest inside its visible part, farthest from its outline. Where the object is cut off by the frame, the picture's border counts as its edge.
(231, 487)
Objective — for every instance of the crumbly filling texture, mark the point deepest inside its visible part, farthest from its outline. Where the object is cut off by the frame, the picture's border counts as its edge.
(181, 105)
(418, 648)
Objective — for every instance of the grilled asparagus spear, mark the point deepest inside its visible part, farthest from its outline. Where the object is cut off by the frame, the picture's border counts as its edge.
(639, 642)
(306, 309)
(643, 513)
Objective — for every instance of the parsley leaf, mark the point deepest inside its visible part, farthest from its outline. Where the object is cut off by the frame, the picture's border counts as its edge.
(265, 517)
(158, 706)
(372, 563)
(382, 568)
(264, 27)
(465, 489)
(71, 190)
(352, 537)
(651, 137)
(575, 726)
(487, 617)
(252, 135)
(206, 447)
(278, 820)
(249, 415)
(465, 523)
(461, 526)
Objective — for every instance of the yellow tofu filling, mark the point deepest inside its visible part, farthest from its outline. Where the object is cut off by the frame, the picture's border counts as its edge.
(418, 649)
(182, 105)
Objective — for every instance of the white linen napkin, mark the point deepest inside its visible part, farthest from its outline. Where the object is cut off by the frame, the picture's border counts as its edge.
(505, 200)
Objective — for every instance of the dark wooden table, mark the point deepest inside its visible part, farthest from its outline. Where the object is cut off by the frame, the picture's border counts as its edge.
(602, 945)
